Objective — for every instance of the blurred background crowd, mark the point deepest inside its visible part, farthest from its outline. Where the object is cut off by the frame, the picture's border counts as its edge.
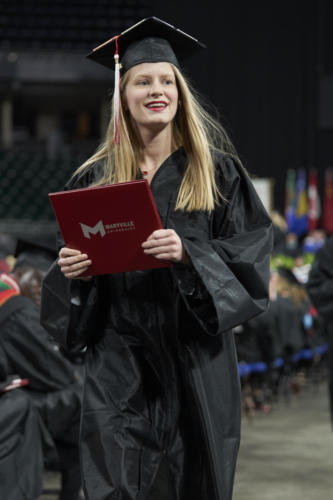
(269, 77)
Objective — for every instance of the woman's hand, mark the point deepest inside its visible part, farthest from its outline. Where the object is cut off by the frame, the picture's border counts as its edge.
(165, 244)
(73, 263)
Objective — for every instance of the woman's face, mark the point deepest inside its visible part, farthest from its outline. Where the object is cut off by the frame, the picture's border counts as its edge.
(151, 95)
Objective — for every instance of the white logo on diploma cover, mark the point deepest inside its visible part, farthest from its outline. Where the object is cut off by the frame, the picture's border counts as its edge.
(97, 228)
(104, 229)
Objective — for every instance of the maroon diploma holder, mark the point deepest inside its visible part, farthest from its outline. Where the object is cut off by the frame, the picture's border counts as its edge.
(109, 224)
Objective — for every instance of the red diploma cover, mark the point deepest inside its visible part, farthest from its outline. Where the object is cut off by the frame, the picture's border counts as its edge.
(109, 223)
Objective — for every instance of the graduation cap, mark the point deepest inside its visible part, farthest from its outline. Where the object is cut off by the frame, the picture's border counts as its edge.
(149, 41)
(39, 252)
(7, 245)
(288, 275)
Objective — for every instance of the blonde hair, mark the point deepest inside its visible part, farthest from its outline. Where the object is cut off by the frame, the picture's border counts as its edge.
(296, 292)
(194, 128)
(278, 220)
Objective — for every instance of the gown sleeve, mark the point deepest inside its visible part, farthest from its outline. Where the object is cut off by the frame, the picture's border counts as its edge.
(226, 283)
(70, 308)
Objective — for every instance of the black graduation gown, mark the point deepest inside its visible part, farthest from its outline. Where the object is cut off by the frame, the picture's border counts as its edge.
(290, 337)
(30, 352)
(320, 290)
(161, 349)
(256, 341)
(21, 450)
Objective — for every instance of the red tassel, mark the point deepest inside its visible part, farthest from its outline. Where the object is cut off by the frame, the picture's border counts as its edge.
(116, 95)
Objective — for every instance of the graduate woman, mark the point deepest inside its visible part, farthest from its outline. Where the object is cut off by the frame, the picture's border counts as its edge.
(161, 383)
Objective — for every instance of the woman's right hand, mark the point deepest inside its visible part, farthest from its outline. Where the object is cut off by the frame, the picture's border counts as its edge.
(73, 263)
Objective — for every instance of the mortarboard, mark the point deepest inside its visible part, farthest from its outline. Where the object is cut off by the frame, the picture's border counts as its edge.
(288, 275)
(39, 252)
(149, 41)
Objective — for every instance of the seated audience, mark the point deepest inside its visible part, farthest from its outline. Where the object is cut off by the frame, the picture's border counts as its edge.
(54, 382)
(320, 290)
(22, 440)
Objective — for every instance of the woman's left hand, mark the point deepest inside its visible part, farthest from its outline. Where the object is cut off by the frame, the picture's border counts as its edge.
(165, 244)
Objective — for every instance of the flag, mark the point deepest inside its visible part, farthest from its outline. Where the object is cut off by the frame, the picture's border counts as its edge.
(327, 221)
(300, 206)
(289, 209)
(313, 200)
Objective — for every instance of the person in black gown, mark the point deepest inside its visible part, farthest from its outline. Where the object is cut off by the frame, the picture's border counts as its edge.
(161, 380)
(320, 289)
(54, 384)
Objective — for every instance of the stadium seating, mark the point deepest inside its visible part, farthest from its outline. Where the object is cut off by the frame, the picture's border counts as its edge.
(65, 24)
(26, 178)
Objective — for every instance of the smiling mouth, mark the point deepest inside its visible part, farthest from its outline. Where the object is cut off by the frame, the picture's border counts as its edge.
(156, 106)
